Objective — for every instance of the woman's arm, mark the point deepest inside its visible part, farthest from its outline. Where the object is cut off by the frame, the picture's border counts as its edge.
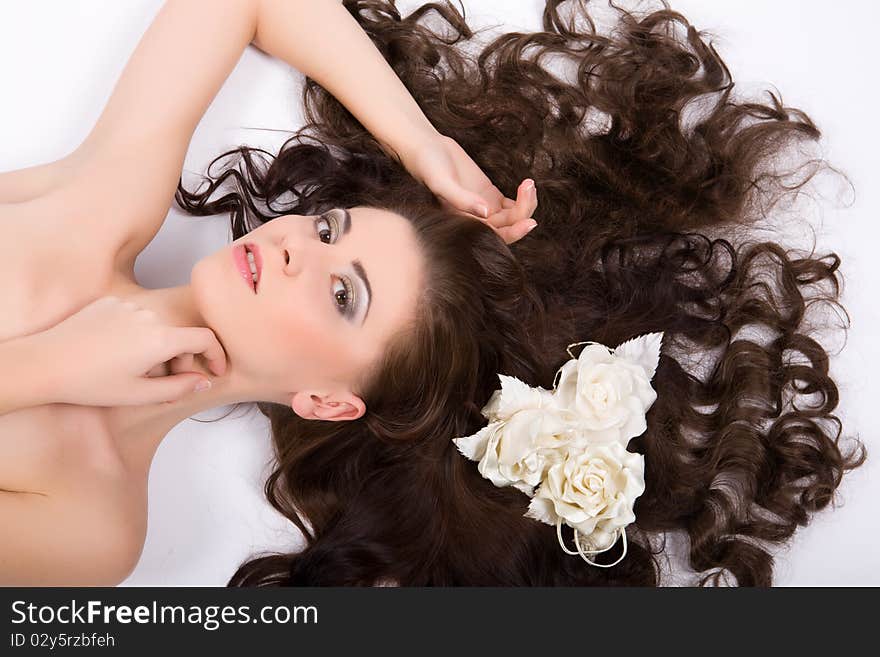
(102, 355)
(20, 185)
(119, 183)
(22, 383)
(122, 178)
(323, 41)
(192, 46)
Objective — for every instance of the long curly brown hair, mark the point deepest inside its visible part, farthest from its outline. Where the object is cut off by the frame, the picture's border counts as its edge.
(645, 223)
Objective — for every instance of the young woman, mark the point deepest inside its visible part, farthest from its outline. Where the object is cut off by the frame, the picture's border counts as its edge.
(78, 431)
(644, 228)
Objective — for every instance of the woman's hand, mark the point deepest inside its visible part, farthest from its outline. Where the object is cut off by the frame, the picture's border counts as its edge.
(444, 167)
(107, 353)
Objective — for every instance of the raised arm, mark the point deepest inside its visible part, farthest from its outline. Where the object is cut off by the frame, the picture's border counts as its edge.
(119, 183)
(175, 71)
(192, 46)
(121, 180)
(321, 39)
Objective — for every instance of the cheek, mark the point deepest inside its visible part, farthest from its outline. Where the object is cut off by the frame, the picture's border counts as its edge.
(306, 343)
(281, 342)
(256, 342)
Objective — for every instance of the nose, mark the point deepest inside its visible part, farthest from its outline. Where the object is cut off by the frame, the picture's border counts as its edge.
(295, 258)
(301, 256)
(308, 255)
(293, 262)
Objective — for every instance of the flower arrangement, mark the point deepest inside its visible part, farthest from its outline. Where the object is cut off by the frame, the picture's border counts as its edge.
(566, 447)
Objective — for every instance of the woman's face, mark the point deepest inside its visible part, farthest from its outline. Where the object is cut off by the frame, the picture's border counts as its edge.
(332, 290)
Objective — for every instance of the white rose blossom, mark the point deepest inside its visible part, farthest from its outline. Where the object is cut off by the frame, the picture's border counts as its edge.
(593, 491)
(571, 442)
(609, 392)
(509, 451)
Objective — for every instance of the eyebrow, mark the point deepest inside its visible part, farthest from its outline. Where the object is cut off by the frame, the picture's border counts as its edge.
(357, 266)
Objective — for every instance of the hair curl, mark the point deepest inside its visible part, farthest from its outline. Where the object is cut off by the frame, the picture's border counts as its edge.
(644, 224)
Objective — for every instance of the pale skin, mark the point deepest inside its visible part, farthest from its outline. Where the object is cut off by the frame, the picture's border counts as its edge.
(73, 466)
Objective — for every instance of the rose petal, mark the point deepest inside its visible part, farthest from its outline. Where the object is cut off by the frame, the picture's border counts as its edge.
(541, 509)
(474, 446)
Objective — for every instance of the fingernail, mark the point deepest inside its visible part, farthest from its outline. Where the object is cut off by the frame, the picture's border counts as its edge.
(531, 225)
(203, 385)
(530, 184)
(483, 211)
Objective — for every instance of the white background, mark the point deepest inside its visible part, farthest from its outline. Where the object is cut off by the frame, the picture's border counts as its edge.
(59, 61)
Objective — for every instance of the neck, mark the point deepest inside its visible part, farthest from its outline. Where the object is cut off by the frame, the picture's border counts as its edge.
(176, 307)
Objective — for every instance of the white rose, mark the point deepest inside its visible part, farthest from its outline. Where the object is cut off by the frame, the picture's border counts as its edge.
(609, 393)
(593, 490)
(510, 451)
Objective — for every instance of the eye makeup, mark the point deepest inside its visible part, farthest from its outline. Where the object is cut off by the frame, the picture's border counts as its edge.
(334, 224)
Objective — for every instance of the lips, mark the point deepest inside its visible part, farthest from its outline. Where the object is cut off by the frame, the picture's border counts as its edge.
(258, 262)
(239, 255)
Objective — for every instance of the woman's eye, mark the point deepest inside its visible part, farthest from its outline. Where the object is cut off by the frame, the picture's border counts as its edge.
(343, 296)
(326, 226)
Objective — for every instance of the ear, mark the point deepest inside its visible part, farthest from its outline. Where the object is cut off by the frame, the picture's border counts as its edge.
(332, 406)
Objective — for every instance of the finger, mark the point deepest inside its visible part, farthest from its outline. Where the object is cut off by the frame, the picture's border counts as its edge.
(533, 199)
(462, 199)
(158, 370)
(449, 207)
(182, 363)
(525, 197)
(517, 231)
(495, 198)
(516, 211)
(168, 388)
(501, 219)
(198, 340)
(507, 202)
